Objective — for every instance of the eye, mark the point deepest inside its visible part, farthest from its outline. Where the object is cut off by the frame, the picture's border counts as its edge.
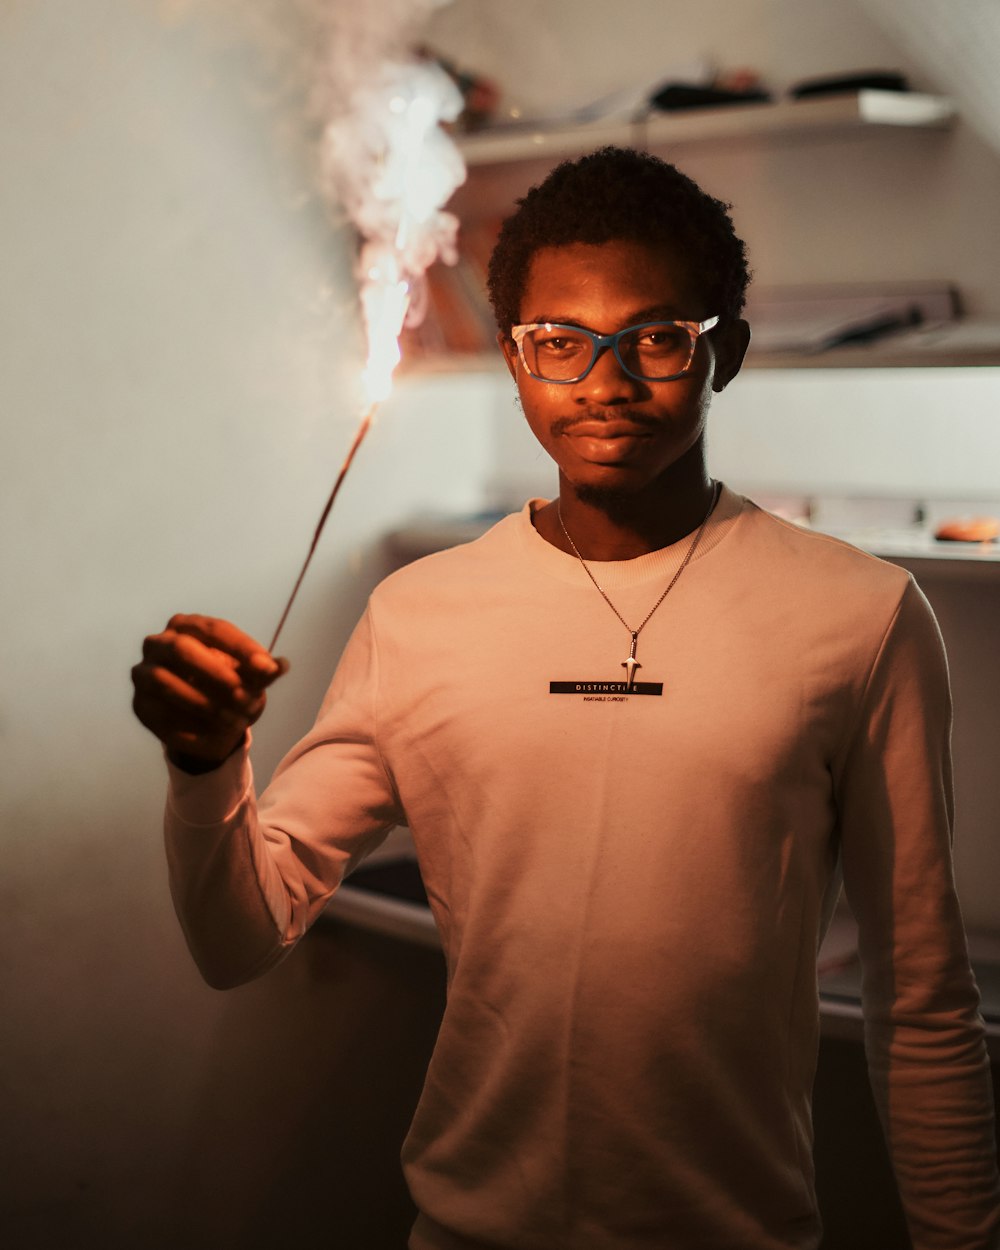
(662, 338)
(558, 344)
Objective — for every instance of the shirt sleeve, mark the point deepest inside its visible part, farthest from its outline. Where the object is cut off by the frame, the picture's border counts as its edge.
(924, 1036)
(247, 877)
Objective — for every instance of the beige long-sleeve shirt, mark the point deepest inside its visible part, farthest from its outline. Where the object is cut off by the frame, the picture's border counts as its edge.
(631, 886)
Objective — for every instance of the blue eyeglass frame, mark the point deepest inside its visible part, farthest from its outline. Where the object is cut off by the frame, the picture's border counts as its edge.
(602, 342)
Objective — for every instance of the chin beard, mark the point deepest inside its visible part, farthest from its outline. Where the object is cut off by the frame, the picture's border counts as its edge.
(616, 502)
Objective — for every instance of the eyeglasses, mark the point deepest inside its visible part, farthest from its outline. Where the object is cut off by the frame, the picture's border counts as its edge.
(656, 351)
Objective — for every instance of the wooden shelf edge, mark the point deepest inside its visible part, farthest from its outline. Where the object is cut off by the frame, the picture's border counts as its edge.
(878, 356)
(863, 109)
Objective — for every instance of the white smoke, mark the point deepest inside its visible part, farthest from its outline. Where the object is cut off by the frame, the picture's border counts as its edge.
(386, 161)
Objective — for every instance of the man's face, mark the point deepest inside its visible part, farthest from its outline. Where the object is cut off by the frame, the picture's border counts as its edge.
(611, 432)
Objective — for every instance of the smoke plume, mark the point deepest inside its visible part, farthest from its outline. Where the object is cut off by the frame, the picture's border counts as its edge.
(386, 161)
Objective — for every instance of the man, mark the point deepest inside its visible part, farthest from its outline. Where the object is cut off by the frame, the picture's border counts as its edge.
(637, 732)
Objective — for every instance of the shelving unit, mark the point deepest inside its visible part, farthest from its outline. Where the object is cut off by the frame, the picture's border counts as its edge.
(503, 162)
(382, 898)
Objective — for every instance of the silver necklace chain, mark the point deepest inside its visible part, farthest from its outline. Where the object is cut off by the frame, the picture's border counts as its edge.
(632, 664)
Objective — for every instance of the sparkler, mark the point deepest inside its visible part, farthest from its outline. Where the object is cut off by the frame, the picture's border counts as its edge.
(391, 167)
(362, 430)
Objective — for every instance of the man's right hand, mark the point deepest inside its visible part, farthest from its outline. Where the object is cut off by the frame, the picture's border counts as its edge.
(200, 686)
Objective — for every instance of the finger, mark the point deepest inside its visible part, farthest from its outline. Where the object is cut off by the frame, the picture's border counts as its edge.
(214, 672)
(182, 727)
(165, 692)
(255, 662)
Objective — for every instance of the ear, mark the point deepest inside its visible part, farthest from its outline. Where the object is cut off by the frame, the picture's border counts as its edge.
(730, 349)
(509, 349)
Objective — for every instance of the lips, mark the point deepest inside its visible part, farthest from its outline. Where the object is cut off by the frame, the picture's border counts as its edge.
(608, 442)
(614, 428)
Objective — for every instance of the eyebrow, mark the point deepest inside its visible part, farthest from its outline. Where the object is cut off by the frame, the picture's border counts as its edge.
(654, 312)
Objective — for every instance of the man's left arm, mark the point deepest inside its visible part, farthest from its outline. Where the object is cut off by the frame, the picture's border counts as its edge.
(923, 1033)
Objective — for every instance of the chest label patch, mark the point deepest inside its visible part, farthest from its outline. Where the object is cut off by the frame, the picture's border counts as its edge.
(606, 691)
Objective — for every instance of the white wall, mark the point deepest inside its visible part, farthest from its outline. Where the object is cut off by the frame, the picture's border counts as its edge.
(920, 434)
(180, 348)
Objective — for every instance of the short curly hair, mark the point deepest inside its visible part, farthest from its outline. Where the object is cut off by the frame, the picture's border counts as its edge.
(620, 193)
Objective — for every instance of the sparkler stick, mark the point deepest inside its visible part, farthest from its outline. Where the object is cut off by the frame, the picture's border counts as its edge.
(391, 167)
(359, 437)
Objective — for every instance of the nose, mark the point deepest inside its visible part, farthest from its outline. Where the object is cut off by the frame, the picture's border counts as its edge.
(607, 382)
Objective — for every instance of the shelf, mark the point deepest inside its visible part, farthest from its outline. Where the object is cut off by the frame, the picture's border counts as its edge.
(840, 982)
(395, 912)
(380, 913)
(967, 343)
(909, 351)
(978, 348)
(785, 119)
(912, 547)
(386, 894)
(918, 551)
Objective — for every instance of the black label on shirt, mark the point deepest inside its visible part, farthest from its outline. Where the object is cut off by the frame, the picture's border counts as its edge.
(605, 689)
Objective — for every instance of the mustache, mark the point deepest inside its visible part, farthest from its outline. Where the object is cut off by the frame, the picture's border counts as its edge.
(593, 416)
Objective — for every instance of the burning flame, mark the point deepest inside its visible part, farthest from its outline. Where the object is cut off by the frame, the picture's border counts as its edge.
(393, 168)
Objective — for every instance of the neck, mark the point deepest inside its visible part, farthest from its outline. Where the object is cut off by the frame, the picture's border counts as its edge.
(623, 528)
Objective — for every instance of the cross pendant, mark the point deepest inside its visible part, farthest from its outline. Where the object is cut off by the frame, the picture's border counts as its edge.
(631, 664)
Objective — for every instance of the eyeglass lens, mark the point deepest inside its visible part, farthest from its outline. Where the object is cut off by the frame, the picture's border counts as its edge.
(559, 354)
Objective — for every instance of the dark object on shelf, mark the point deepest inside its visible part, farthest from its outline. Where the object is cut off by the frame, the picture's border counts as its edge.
(847, 84)
(875, 328)
(678, 96)
(396, 878)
